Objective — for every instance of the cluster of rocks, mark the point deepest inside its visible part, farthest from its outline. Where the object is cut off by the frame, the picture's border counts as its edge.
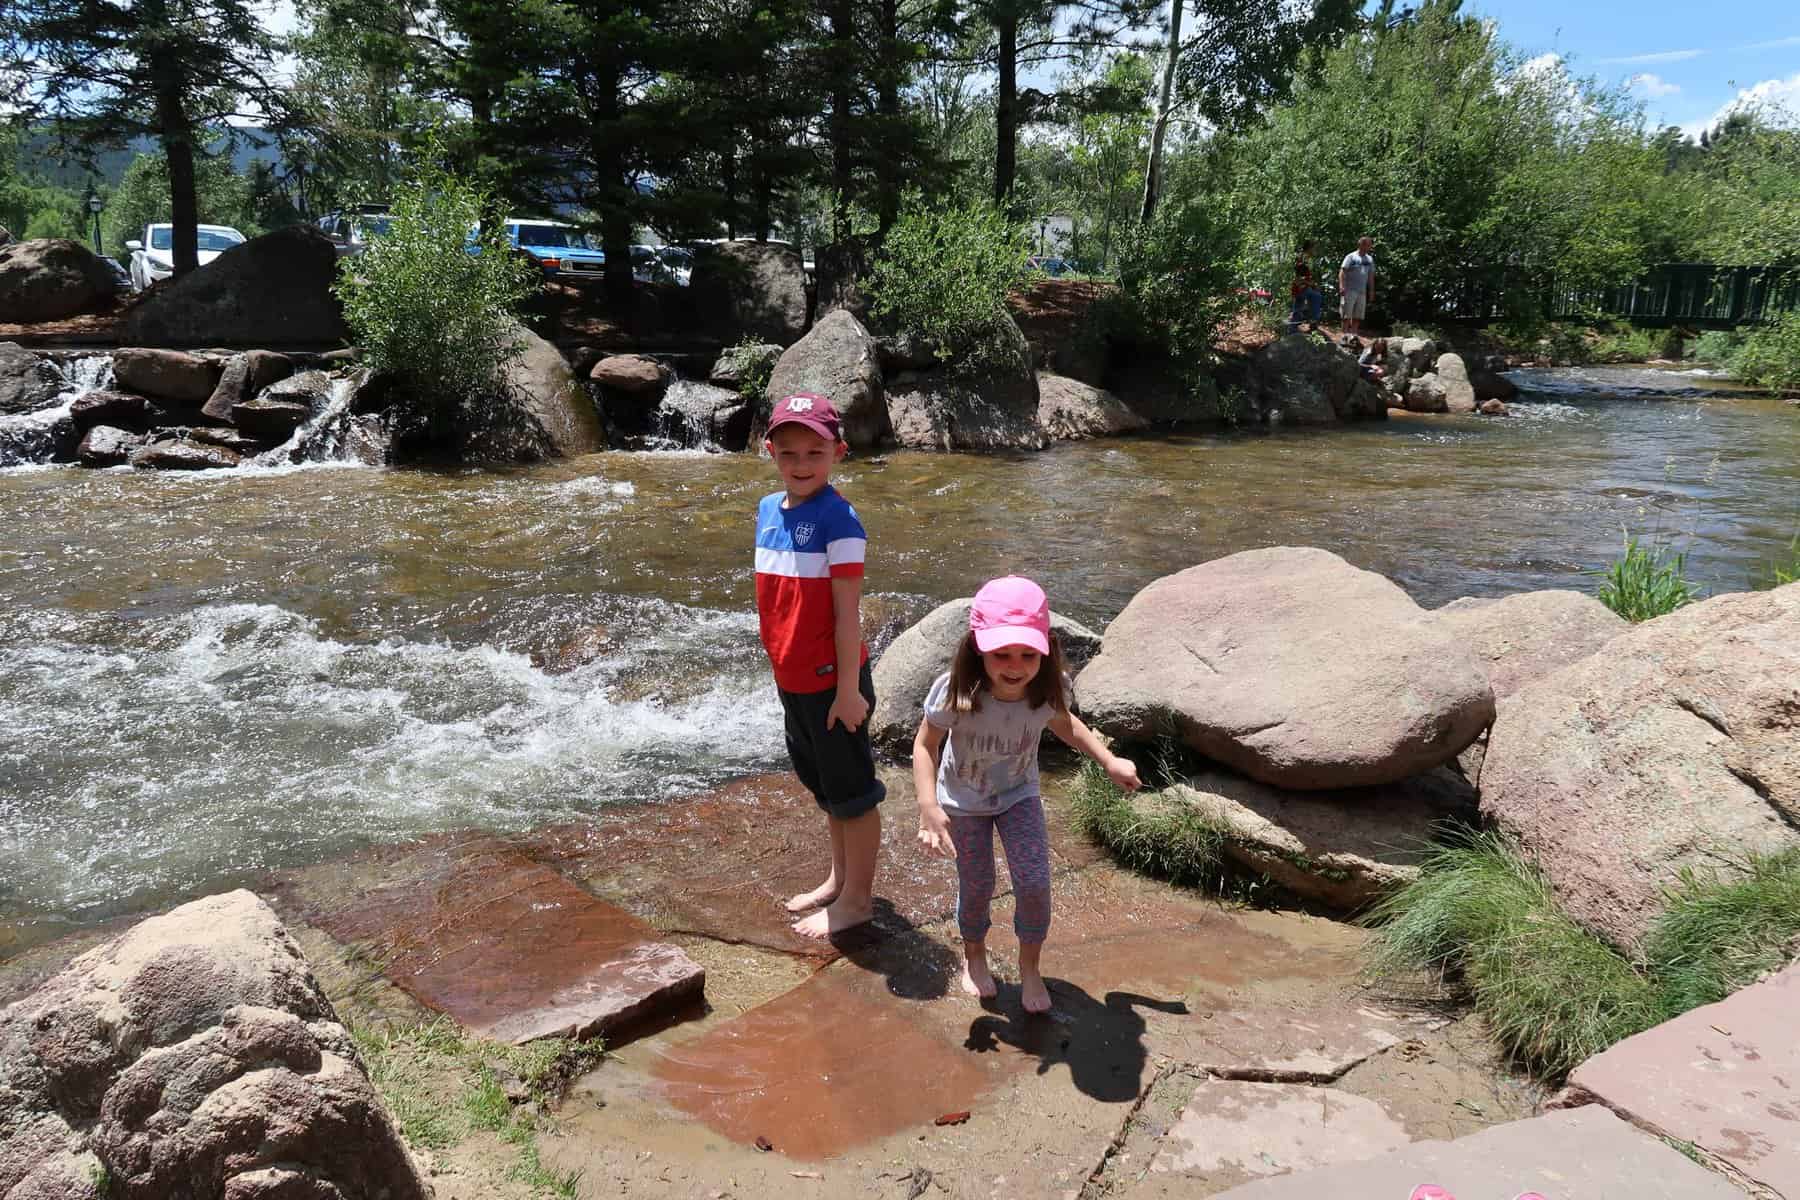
(1426, 376)
(1338, 723)
(49, 279)
(195, 1055)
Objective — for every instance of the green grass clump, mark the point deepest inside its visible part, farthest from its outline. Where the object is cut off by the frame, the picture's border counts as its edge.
(1782, 569)
(441, 1086)
(1552, 992)
(1555, 994)
(1156, 835)
(1719, 935)
(1646, 581)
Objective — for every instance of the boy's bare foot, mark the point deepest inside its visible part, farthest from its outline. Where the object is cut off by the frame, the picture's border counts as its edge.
(1033, 993)
(834, 918)
(977, 980)
(819, 897)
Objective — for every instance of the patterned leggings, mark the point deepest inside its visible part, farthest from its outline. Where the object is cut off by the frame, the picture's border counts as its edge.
(1027, 844)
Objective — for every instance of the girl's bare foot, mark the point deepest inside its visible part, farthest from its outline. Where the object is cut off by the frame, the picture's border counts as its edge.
(1033, 993)
(977, 980)
(834, 918)
(819, 897)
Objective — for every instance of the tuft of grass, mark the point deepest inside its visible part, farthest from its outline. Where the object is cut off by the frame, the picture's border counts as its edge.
(1646, 581)
(1782, 569)
(1720, 934)
(1156, 835)
(1553, 993)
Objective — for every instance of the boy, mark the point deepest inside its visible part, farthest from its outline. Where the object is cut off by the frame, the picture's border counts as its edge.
(809, 568)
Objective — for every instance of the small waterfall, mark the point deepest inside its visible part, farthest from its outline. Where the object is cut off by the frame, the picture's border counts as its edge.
(48, 435)
(685, 420)
(335, 433)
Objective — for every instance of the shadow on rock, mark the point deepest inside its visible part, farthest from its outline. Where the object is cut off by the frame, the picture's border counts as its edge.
(916, 965)
(1101, 1042)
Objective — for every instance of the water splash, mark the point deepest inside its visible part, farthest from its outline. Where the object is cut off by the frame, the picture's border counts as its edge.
(685, 418)
(49, 434)
(335, 434)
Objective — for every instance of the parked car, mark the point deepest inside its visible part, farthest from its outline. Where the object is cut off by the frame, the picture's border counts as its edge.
(1049, 264)
(679, 261)
(153, 258)
(351, 230)
(661, 264)
(561, 251)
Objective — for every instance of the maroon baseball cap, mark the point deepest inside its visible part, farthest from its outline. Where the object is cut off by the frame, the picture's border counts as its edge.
(809, 409)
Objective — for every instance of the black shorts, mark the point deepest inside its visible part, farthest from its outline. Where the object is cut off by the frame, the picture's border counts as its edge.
(837, 766)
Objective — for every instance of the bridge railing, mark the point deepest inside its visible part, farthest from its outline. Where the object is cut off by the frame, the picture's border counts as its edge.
(1702, 295)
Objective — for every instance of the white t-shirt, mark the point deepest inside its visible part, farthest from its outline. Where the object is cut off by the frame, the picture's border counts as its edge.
(1358, 267)
(990, 759)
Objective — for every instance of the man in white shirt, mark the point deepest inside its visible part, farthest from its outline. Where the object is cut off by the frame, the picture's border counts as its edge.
(1356, 285)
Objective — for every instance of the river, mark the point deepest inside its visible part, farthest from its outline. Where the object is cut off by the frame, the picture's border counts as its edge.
(206, 676)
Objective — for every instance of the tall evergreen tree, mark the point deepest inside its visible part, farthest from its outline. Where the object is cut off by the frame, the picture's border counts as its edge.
(106, 72)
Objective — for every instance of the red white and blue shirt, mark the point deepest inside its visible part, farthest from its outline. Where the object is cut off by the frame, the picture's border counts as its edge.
(799, 551)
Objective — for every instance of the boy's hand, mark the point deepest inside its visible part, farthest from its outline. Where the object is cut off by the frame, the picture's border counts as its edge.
(934, 831)
(849, 709)
(1123, 772)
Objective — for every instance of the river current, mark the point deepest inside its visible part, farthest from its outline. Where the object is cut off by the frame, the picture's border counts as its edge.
(206, 676)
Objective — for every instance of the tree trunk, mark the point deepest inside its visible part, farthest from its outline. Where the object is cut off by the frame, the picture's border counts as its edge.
(1153, 169)
(614, 191)
(728, 186)
(1006, 106)
(843, 49)
(178, 147)
(887, 104)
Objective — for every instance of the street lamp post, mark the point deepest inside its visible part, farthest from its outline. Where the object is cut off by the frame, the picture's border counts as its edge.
(1043, 228)
(95, 204)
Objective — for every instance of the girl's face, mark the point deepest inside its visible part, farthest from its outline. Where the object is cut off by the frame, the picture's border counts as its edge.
(1010, 669)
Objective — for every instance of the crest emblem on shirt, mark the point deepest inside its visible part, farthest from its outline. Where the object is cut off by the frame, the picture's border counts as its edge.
(803, 532)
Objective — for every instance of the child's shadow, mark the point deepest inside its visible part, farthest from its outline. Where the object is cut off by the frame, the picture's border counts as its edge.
(917, 966)
(1102, 1043)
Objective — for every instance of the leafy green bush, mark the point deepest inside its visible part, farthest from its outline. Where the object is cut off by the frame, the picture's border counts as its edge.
(1716, 347)
(1646, 581)
(435, 316)
(1177, 277)
(754, 369)
(51, 223)
(1770, 355)
(944, 271)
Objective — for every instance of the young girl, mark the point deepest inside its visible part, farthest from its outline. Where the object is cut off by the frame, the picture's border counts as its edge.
(975, 766)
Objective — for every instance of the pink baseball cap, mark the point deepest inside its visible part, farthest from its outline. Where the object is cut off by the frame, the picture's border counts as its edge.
(809, 409)
(1011, 611)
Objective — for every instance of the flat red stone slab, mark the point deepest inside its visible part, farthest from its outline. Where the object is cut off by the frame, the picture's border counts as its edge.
(510, 948)
(1725, 1077)
(823, 1068)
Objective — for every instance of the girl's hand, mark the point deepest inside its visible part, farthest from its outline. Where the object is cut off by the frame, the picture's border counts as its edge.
(934, 831)
(1123, 772)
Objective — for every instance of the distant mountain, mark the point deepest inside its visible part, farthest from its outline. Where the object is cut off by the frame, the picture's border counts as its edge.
(40, 155)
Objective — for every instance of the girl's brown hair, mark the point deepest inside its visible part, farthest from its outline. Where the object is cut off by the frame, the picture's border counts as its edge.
(968, 678)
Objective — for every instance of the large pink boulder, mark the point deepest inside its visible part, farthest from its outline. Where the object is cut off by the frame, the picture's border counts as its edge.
(1292, 666)
(1673, 746)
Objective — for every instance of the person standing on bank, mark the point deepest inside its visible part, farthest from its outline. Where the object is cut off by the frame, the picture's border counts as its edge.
(1304, 291)
(1356, 285)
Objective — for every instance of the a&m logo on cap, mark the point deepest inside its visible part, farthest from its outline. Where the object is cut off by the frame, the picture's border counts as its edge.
(799, 404)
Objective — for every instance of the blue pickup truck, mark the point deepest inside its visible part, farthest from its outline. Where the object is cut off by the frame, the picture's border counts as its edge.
(561, 251)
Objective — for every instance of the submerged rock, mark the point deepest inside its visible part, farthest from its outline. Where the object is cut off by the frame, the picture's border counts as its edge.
(48, 279)
(27, 382)
(107, 446)
(1291, 666)
(184, 454)
(193, 1056)
(1672, 746)
(906, 669)
(837, 359)
(1494, 408)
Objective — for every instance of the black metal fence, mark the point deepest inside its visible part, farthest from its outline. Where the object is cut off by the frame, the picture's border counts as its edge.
(1700, 295)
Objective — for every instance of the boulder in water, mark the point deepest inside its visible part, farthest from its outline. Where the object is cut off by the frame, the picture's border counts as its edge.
(1407, 359)
(755, 289)
(1489, 384)
(107, 446)
(1069, 409)
(110, 408)
(195, 1055)
(27, 382)
(273, 290)
(1427, 394)
(906, 669)
(837, 359)
(632, 374)
(1459, 393)
(48, 435)
(234, 440)
(245, 375)
(185, 379)
(183, 454)
(1291, 666)
(1159, 391)
(983, 401)
(49, 279)
(1494, 408)
(1299, 380)
(270, 417)
(1672, 746)
(558, 416)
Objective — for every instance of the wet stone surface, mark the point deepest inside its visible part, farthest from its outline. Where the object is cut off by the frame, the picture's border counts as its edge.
(1260, 1129)
(476, 928)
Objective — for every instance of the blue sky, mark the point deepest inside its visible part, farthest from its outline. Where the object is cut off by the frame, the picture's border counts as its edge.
(1689, 63)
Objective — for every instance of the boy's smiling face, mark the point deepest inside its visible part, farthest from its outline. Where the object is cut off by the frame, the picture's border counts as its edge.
(804, 459)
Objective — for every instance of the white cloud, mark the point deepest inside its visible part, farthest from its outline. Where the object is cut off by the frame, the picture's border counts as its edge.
(1777, 44)
(1776, 100)
(1653, 85)
(1664, 56)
